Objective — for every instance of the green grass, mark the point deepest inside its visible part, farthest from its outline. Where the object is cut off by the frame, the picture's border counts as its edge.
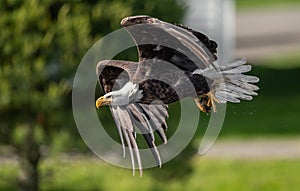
(206, 174)
(265, 3)
(265, 116)
(274, 111)
(8, 174)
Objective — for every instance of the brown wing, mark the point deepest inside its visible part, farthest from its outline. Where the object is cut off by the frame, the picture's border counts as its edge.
(113, 74)
(176, 44)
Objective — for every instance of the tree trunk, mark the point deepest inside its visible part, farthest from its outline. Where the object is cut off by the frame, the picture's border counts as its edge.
(29, 159)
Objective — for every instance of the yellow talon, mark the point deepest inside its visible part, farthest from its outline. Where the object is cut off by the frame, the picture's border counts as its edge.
(201, 107)
(212, 100)
(206, 102)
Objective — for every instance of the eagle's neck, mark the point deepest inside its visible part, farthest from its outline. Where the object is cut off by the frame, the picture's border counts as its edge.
(129, 93)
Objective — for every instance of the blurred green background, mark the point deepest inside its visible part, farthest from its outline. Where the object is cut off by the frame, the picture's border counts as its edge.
(42, 43)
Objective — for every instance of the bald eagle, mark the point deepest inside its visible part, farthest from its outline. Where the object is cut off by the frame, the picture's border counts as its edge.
(174, 62)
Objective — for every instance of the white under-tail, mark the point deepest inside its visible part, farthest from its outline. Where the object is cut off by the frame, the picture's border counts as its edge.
(229, 82)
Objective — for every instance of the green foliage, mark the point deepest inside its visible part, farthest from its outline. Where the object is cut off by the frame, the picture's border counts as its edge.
(208, 174)
(43, 41)
(19, 134)
(37, 57)
(8, 173)
(265, 3)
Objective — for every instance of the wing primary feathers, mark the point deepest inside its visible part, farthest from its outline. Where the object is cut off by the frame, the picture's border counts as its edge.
(192, 45)
(154, 127)
(142, 117)
(147, 121)
(153, 149)
(119, 128)
(210, 44)
(234, 64)
(127, 129)
(193, 48)
(130, 149)
(157, 120)
(137, 152)
(141, 124)
(238, 70)
(146, 118)
(161, 134)
(151, 130)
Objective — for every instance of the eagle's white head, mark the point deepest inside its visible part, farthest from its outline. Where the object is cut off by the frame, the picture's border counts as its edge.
(129, 93)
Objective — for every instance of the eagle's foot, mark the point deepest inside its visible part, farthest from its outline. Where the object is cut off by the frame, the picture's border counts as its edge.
(212, 100)
(202, 107)
(207, 101)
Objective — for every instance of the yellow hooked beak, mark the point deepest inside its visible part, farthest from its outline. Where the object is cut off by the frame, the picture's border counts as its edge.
(103, 101)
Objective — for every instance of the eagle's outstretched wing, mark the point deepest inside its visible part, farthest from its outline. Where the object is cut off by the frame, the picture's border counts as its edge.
(113, 74)
(192, 52)
(187, 49)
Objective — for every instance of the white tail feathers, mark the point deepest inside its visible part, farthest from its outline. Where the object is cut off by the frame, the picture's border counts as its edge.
(229, 82)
